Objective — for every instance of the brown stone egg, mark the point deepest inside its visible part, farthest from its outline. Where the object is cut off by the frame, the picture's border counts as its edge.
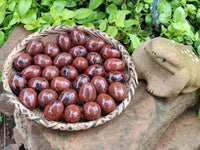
(106, 102)
(78, 51)
(64, 42)
(54, 110)
(42, 60)
(80, 80)
(17, 82)
(94, 58)
(46, 96)
(60, 84)
(95, 70)
(87, 93)
(50, 72)
(69, 72)
(117, 90)
(28, 97)
(51, 49)
(32, 71)
(22, 61)
(109, 51)
(35, 47)
(91, 111)
(115, 76)
(80, 63)
(62, 60)
(72, 113)
(94, 44)
(68, 97)
(114, 64)
(38, 84)
(100, 84)
(78, 37)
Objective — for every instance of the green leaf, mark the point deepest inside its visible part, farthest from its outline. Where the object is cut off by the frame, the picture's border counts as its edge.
(2, 16)
(179, 14)
(54, 14)
(2, 36)
(82, 13)
(118, 2)
(29, 17)
(120, 17)
(199, 114)
(112, 8)
(100, 15)
(11, 6)
(149, 1)
(135, 42)
(59, 5)
(112, 31)
(148, 19)
(130, 22)
(0, 78)
(47, 18)
(45, 2)
(89, 24)
(93, 4)
(66, 14)
(102, 25)
(139, 7)
(24, 6)
(191, 8)
(71, 3)
(164, 18)
(68, 22)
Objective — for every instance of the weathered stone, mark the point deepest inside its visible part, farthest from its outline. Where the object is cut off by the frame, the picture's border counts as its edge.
(30, 132)
(182, 134)
(12, 147)
(139, 127)
(16, 36)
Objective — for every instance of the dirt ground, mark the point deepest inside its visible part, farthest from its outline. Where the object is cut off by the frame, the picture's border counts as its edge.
(6, 139)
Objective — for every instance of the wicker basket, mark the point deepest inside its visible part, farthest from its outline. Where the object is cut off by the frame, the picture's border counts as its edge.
(50, 34)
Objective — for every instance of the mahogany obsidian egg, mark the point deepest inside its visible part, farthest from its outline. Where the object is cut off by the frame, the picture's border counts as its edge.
(46, 96)
(17, 82)
(69, 72)
(78, 51)
(42, 60)
(72, 113)
(91, 111)
(60, 84)
(109, 51)
(64, 42)
(106, 102)
(32, 71)
(80, 80)
(100, 84)
(22, 61)
(50, 72)
(51, 49)
(95, 70)
(35, 47)
(68, 97)
(94, 44)
(115, 76)
(114, 64)
(62, 60)
(54, 110)
(28, 97)
(117, 90)
(78, 37)
(80, 63)
(38, 84)
(94, 58)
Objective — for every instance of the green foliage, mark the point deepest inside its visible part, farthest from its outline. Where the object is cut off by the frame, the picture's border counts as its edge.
(131, 23)
(1, 118)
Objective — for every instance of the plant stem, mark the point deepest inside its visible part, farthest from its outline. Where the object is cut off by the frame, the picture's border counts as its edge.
(40, 5)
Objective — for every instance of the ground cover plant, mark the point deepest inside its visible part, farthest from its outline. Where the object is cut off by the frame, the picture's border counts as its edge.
(129, 21)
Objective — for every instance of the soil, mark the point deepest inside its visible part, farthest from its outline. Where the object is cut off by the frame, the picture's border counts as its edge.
(9, 125)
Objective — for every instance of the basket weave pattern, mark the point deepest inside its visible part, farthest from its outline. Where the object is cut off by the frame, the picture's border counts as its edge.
(50, 34)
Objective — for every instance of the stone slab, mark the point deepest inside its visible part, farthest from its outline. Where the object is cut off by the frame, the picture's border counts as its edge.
(139, 127)
(16, 36)
(182, 134)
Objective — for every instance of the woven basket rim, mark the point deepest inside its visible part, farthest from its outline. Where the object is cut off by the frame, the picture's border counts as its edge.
(33, 115)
